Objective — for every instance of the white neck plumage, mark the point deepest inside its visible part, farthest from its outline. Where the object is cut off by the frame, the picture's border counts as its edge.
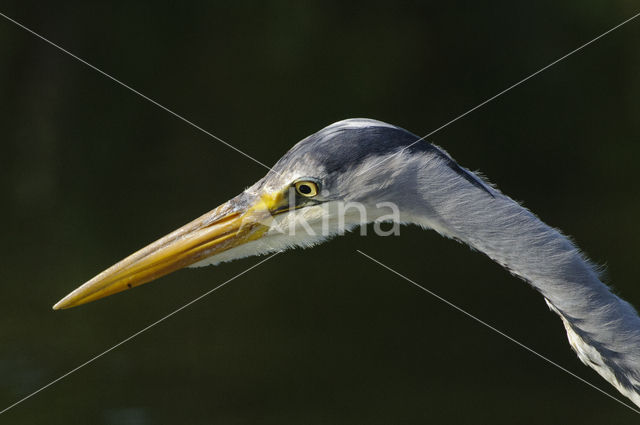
(603, 329)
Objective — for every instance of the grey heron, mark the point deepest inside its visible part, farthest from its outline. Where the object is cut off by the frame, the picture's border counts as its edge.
(369, 162)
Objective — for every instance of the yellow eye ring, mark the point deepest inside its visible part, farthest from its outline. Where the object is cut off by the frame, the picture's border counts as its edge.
(306, 188)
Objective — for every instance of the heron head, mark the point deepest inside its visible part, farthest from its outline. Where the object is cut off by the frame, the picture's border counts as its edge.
(327, 183)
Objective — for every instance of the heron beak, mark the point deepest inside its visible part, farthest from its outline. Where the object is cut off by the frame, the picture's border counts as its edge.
(230, 225)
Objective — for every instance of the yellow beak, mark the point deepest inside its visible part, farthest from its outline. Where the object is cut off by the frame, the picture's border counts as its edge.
(223, 228)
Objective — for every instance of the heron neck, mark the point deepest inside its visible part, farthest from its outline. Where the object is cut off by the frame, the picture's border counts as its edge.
(602, 328)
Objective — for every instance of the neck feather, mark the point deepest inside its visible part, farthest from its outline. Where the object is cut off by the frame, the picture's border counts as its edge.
(603, 329)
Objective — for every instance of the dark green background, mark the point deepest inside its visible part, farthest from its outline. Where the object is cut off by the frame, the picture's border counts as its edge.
(91, 172)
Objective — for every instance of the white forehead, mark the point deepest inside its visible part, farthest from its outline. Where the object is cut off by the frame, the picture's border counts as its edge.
(357, 123)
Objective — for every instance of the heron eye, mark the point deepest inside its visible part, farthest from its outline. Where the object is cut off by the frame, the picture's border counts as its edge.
(306, 188)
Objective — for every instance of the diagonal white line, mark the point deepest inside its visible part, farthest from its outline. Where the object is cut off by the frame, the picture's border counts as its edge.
(499, 332)
(112, 78)
(91, 360)
(577, 49)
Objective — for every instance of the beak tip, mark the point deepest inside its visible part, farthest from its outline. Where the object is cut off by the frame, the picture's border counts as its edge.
(62, 304)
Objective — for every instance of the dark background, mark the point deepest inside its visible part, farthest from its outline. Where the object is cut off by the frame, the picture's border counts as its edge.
(91, 172)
